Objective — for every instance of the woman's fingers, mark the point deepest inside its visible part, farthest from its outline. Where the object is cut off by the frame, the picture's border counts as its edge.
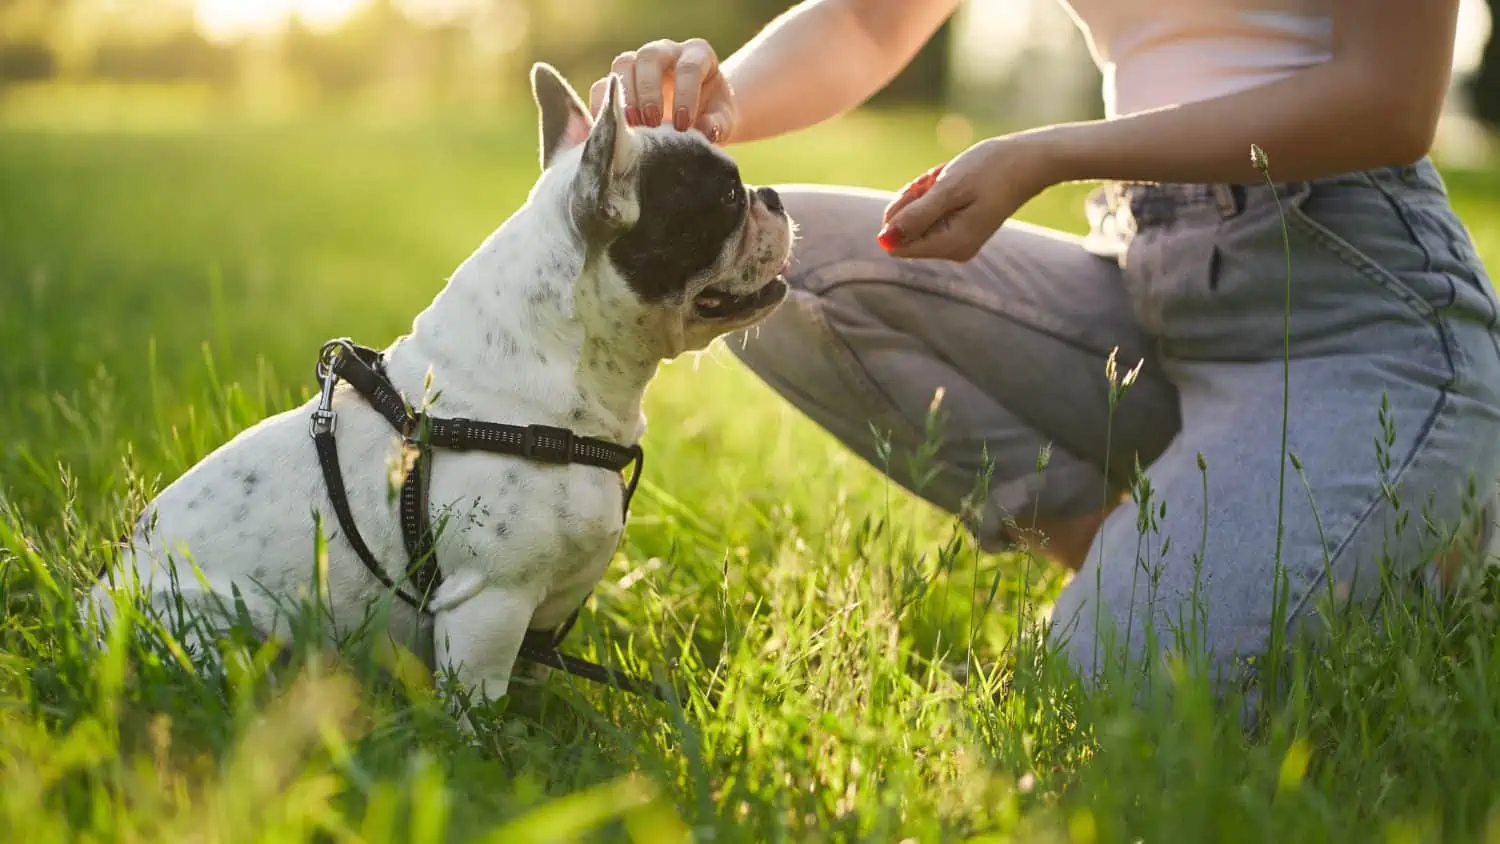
(653, 68)
(685, 73)
(695, 68)
(624, 67)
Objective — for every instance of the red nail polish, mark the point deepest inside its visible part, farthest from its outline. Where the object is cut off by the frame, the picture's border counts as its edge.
(920, 187)
(682, 121)
(633, 116)
(890, 237)
(715, 134)
(652, 114)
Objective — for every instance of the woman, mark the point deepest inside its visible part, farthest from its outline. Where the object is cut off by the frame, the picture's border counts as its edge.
(1394, 365)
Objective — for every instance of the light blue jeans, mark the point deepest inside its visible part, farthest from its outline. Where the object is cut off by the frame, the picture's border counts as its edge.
(1393, 424)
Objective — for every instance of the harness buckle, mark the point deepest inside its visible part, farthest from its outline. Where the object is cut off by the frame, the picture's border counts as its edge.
(323, 421)
(323, 418)
(558, 447)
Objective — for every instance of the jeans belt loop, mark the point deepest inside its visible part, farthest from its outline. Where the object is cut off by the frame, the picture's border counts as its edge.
(1226, 200)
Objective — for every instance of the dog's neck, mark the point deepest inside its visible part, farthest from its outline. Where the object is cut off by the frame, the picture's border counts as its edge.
(523, 333)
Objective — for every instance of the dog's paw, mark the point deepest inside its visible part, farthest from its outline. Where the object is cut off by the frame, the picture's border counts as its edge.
(466, 727)
(468, 716)
(472, 712)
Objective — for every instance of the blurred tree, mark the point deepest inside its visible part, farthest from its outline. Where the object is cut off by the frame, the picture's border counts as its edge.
(338, 64)
(392, 52)
(925, 80)
(184, 54)
(26, 61)
(26, 54)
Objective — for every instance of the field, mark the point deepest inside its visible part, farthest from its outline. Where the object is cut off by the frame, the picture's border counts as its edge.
(161, 288)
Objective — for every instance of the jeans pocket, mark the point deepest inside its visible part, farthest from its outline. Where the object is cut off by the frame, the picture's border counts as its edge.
(1371, 235)
(1320, 268)
(1169, 276)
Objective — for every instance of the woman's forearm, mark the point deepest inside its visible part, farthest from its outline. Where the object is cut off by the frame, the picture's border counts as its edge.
(1375, 103)
(823, 58)
(1310, 125)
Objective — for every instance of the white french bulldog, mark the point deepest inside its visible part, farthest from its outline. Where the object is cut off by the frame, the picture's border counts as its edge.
(634, 246)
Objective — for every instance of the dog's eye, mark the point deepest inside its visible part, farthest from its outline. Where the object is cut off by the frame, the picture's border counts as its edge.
(732, 197)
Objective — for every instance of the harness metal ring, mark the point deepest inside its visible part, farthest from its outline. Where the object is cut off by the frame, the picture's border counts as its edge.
(328, 355)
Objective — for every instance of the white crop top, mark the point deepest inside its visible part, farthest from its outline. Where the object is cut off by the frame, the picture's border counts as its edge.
(1155, 53)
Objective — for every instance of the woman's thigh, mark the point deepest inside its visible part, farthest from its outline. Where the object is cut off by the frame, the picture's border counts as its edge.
(1389, 406)
(1009, 348)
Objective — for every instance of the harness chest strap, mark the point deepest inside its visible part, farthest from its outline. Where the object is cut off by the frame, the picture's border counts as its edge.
(364, 370)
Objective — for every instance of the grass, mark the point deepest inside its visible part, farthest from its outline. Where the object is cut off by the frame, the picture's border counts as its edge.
(160, 290)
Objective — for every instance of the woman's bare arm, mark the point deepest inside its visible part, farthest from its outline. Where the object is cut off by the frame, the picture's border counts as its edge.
(817, 60)
(1375, 102)
(823, 58)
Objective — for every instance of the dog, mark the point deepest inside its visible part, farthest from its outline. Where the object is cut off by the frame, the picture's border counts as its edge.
(635, 245)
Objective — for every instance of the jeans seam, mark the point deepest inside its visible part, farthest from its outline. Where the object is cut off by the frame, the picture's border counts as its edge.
(865, 385)
(1057, 329)
(1362, 264)
(1403, 212)
(1418, 448)
(847, 361)
(1007, 315)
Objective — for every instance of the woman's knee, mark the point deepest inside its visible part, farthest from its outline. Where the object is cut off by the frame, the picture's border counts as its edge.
(803, 342)
(1065, 541)
(834, 226)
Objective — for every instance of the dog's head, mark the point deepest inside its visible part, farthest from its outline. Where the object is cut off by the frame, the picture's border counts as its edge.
(674, 241)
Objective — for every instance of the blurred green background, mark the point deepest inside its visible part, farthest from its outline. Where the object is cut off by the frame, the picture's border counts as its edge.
(1014, 60)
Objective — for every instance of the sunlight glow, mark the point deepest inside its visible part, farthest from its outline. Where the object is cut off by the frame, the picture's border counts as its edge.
(439, 12)
(1473, 30)
(326, 15)
(231, 20)
(994, 34)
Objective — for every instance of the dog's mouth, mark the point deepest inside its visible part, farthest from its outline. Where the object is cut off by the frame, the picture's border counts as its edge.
(718, 304)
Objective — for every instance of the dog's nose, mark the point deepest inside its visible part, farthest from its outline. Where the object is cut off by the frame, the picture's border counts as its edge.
(771, 199)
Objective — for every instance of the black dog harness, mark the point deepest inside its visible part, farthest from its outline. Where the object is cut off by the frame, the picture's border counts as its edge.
(364, 370)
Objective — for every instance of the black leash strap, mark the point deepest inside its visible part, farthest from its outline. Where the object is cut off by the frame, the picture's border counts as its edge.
(364, 370)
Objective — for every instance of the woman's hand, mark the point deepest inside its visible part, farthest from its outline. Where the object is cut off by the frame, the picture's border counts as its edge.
(952, 209)
(683, 76)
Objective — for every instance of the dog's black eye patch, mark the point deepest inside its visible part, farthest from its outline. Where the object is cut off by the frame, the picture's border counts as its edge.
(692, 202)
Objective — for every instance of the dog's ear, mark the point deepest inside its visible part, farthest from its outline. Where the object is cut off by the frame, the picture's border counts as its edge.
(565, 121)
(604, 190)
